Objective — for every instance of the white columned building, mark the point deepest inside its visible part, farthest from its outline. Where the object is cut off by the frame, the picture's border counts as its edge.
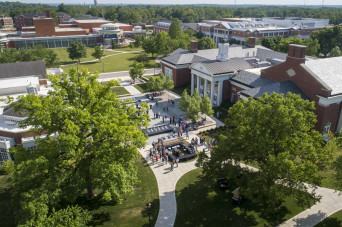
(209, 76)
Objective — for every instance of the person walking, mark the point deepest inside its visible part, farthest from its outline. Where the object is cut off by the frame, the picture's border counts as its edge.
(156, 158)
(187, 133)
(177, 161)
(171, 163)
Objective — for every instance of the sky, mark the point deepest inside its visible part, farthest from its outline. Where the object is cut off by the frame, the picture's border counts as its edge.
(229, 2)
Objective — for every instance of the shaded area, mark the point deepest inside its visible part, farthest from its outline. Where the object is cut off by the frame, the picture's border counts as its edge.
(200, 202)
(334, 220)
(132, 211)
(7, 207)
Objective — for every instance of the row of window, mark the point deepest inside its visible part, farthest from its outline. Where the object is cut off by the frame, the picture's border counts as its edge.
(53, 43)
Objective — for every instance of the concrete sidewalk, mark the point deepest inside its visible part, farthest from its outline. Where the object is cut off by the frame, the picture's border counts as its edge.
(167, 181)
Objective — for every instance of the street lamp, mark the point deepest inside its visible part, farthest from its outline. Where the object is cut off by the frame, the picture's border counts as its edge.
(148, 206)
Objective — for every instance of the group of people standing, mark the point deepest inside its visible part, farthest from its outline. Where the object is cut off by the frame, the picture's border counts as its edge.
(159, 154)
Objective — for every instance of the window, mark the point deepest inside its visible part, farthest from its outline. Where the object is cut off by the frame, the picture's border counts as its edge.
(326, 128)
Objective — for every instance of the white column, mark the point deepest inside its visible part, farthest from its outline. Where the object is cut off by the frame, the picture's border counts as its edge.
(192, 83)
(198, 83)
(212, 90)
(220, 91)
(205, 87)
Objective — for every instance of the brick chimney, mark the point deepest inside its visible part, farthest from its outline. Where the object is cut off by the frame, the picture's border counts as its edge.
(47, 13)
(296, 53)
(251, 42)
(194, 46)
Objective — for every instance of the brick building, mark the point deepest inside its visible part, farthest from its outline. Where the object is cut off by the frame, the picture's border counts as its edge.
(6, 22)
(26, 19)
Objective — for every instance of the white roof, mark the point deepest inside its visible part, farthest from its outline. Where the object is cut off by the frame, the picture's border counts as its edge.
(329, 71)
(19, 82)
(110, 25)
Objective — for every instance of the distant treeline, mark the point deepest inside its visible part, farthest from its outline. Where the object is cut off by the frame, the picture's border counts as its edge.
(188, 13)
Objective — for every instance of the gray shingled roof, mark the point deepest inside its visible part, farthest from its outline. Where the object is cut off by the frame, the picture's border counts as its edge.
(187, 57)
(31, 15)
(9, 111)
(329, 71)
(277, 87)
(192, 26)
(263, 54)
(251, 79)
(232, 65)
(20, 69)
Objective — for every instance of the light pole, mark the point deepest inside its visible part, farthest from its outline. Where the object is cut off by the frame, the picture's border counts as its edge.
(149, 213)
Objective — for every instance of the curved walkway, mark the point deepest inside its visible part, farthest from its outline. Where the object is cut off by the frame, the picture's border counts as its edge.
(167, 182)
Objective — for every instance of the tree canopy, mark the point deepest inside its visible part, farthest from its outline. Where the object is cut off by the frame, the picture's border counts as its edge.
(90, 142)
(98, 53)
(276, 135)
(136, 71)
(206, 43)
(77, 50)
(175, 30)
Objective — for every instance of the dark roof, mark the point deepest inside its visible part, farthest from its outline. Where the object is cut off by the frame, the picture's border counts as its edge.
(31, 15)
(9, 111)
(61, 14)
(21, 69)
(192, 26)
(277, 87)
(251, 79)
(232, 65)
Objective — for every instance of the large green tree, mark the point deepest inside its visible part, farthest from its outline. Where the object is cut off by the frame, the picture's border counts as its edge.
(206, 43)
(136, 71)
(206, 106)
(98, 53)
(195, 106)
(175, 30)
(149, 46)
(162, 43)
(77, 50)
(184, 101)
(275, 134)
(90, 142)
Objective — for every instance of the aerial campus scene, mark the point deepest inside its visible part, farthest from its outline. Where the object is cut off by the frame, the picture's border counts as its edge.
(183, 113)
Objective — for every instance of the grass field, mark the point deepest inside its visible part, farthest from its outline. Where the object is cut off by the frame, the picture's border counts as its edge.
(132, 212)
(334, 220)
(141, 87)
(120, 91)
(64, 59)
(201, 203)
(115, 63)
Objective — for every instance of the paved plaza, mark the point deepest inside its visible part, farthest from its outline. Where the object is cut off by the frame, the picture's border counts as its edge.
(330, 202)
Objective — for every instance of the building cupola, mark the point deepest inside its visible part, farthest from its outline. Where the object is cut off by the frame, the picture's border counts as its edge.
(223, 54)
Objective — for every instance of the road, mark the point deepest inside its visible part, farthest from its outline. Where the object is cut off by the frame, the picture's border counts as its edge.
(126, 73)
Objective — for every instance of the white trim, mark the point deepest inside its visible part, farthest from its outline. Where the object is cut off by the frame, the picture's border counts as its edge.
(175, 67)
(329, 100)
(240, 85)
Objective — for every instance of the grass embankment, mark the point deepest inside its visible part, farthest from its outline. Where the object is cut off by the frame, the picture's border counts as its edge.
(132, 212)
(334, 220)
(200, 202)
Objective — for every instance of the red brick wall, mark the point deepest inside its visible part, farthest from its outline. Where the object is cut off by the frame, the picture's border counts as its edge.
(90, 26)
(44, 27)
(17, 136)
(126, 28)
(180, 76)
(67, 33)
(309, 85)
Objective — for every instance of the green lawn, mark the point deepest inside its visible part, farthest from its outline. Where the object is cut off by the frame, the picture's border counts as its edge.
(141, 87)
(179, 90)
(120, 91)
(132, 212)
(201, 203)
(115, 63)
(63, 55)
(334, 220)
(128, 49)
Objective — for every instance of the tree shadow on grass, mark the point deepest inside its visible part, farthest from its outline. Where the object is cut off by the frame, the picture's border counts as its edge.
(154, 212)
(202, 203)
(330, 222)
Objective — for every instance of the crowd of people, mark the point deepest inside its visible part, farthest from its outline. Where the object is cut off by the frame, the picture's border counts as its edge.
(159, 154)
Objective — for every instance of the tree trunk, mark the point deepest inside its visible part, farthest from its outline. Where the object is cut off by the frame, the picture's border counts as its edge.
(90, 192)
